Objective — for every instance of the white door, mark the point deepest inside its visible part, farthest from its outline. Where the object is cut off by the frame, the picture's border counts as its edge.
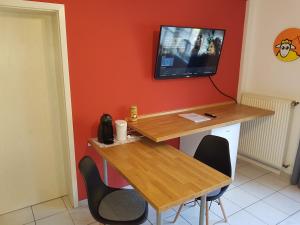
(32, 125)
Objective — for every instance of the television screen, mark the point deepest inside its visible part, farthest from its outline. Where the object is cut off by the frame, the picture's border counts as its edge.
(188, 52)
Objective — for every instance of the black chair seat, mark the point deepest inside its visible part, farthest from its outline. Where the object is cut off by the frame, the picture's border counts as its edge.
(122, 205)
(214, 193)
(211, 196)
(108, 205)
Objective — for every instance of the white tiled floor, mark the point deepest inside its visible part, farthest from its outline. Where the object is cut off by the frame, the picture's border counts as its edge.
(256, 197)
(49, 208)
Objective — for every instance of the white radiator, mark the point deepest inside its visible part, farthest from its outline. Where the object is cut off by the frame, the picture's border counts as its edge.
(264, 139)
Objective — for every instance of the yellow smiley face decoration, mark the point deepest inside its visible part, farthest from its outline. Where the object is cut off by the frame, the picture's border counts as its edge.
(287, 45)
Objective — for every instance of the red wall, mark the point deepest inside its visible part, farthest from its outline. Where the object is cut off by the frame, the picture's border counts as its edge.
(112, 45)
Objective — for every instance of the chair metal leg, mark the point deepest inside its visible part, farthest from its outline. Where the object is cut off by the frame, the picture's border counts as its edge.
(223, 211)
(202, 210)
(207, 213)
(177, 214)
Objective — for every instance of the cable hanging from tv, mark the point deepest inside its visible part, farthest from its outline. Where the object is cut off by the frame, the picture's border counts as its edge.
(221, 92)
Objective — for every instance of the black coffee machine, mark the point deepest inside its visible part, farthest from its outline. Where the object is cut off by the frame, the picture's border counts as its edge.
(105, 130)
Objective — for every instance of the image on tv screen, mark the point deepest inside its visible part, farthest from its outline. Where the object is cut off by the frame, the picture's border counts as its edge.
(188, 52)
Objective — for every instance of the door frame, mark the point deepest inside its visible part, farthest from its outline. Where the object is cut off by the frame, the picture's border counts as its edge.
(58, 11)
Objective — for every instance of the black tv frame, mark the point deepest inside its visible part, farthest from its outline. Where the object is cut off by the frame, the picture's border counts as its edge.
(157, 68)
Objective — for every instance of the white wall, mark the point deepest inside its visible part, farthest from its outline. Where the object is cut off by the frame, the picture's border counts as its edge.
(261, 71)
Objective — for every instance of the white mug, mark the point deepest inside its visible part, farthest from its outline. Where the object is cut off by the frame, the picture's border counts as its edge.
(121, 130)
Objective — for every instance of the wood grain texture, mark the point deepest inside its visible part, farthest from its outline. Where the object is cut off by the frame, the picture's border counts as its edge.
(164, 176)
(184, 110)
(170, 125)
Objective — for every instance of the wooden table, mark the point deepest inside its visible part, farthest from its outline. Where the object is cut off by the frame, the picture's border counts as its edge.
(167, 125)
(164, 176)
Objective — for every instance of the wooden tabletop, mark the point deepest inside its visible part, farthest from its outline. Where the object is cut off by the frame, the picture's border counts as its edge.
(164, 126)
(163, 175)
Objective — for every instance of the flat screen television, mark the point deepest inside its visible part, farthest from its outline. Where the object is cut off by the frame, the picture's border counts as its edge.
(188, 52)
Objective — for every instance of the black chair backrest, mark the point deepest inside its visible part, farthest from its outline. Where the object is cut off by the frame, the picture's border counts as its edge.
(214, 152)
(95, 187)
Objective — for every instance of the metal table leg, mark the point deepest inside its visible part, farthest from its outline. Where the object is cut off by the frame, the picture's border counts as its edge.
(159, 218)
(105, 177)
(202, 210)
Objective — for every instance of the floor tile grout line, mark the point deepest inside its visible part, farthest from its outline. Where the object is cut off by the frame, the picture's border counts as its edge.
(258, 217)
(289, 216)
(32, 213)
(245, 190)
(288, 196)
(221, 219)
(149, 221)
(49, 215)
(281, 188)
(240, 208)
(254, 166)
(268, 186)
(68, 211)
(64, 201)
(244, 209)
(260, 200)
(29, 223)
(30, 206)
(276, 208)
(275, 191)
(46, 217)
(245, 164)
(251, 179)
(225, 211)
(48, 200)
(268, 195)
(165, 217)
(185, 219)
(181, 216)
(278, 191)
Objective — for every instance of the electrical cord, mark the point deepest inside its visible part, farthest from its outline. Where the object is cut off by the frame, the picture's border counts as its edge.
(215, 86)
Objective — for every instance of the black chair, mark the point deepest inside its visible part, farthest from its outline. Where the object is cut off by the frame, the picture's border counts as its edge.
(111, 205)
(214, 152)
